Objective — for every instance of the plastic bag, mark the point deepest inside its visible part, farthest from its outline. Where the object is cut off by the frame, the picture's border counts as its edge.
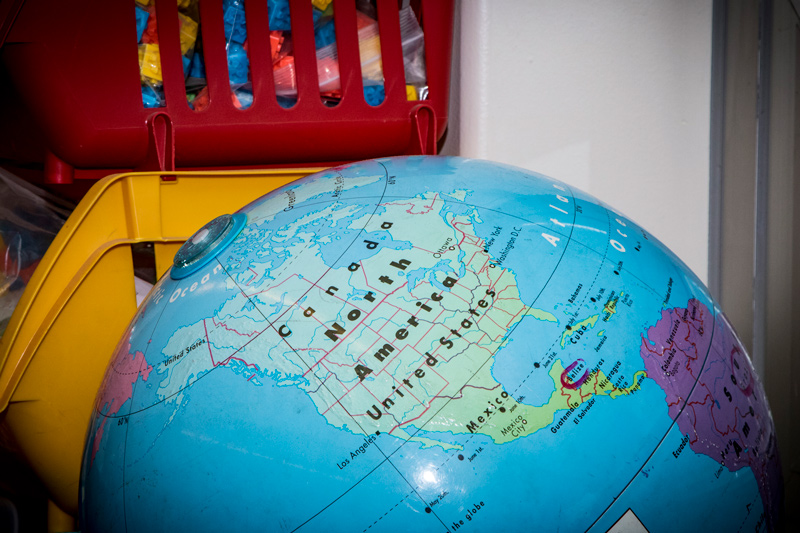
(413, 53)
(29, 221)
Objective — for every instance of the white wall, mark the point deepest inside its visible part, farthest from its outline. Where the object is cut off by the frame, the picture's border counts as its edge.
(610, 96)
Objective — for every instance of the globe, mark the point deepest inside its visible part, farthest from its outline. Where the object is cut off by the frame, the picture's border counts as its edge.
(429, 344)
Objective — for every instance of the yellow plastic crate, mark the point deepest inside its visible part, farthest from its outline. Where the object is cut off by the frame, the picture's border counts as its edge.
(81, 298)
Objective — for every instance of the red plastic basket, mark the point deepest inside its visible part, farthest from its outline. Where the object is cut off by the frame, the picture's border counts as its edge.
(75, 67)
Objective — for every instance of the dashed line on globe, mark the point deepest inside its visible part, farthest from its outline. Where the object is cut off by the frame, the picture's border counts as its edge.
(427, 509)
(597, 274)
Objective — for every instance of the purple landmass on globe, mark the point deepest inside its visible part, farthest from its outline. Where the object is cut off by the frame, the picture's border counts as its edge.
(714, 394)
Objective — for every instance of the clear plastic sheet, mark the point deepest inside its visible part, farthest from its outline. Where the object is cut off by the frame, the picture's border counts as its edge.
(29, 221)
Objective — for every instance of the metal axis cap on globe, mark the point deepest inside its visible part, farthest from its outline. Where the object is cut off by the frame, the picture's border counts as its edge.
(208, 242)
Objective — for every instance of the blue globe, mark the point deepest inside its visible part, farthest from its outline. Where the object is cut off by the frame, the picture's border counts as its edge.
(429, 344)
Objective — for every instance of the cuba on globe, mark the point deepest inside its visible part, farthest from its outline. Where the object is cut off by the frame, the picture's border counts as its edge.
(429, 344)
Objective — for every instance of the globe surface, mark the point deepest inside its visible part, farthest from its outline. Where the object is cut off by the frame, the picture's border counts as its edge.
(431, 344)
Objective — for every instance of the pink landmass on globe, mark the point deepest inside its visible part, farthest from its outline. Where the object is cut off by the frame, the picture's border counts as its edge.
(117, 387)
